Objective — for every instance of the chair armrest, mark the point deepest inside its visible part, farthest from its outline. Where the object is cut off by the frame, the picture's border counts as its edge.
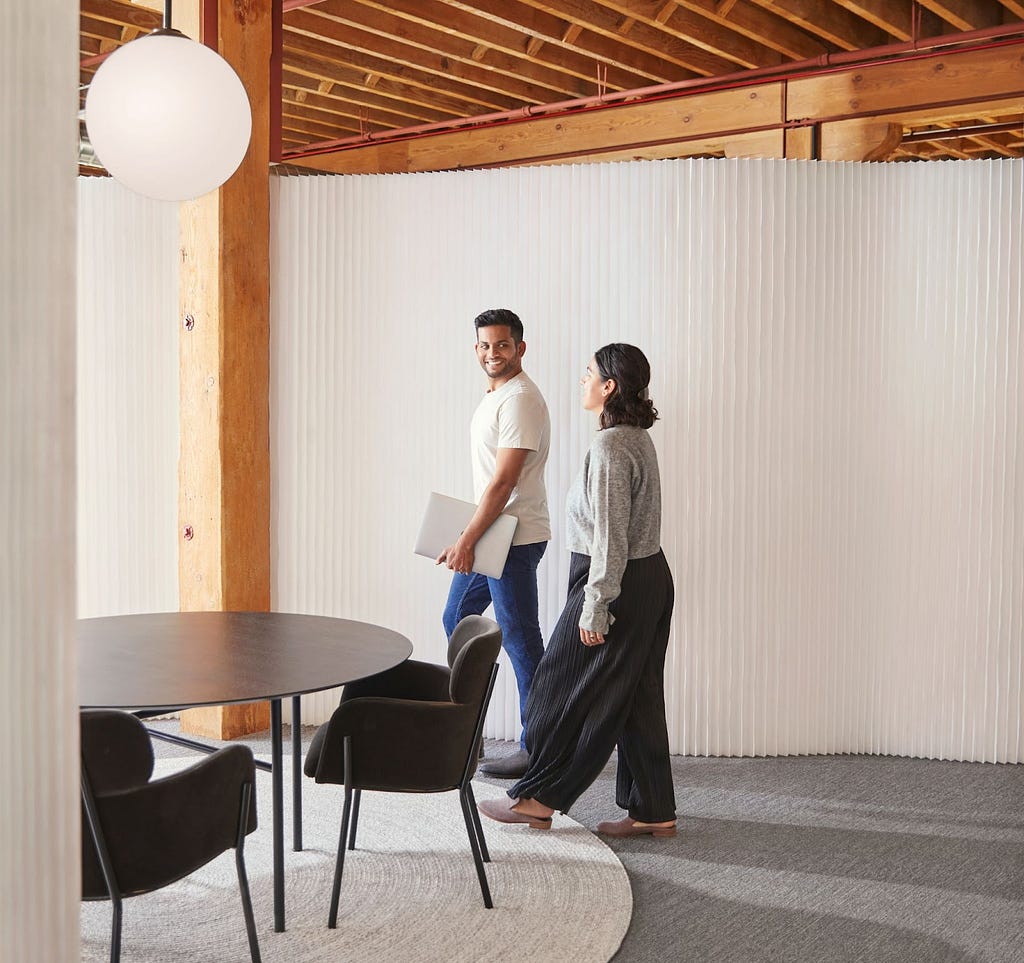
(168, 828)
(404, 745)
(407, 680)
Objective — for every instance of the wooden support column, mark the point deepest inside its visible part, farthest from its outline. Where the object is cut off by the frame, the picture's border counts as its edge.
(224, 465)
(800, 143)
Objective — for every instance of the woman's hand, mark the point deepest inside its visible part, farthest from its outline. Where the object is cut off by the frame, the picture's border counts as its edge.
(591, 638)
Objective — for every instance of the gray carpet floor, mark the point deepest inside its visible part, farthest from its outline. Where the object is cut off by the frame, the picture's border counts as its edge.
(821, 858)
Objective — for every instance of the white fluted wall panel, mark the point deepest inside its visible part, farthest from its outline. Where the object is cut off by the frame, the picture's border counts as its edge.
(39, 800)
(127, 401)
(837, 359)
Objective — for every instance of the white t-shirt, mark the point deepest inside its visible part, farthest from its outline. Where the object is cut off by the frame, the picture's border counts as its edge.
(515, 416)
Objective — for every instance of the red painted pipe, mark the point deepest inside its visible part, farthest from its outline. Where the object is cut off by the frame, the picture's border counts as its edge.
(815, 66)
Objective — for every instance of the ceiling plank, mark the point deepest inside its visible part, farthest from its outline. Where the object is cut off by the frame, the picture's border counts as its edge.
(462, 33)
(492, 21)
(829, 21)
(386, 117)
(895, 18)
(356, 98)
(349, 41)
(1015, 7)
(315, 128)
(476, 99)
(597, 20)
(117, 12)
(364, 81)
(99, 29)
(764, 26)
(966, 14)
(992, 144)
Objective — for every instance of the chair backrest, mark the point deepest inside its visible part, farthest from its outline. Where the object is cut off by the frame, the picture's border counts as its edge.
(138, 833)
(472, 651)
(469, 628)
(116, 750)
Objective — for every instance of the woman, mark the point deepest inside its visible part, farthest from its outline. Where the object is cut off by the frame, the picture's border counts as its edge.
(600, 682)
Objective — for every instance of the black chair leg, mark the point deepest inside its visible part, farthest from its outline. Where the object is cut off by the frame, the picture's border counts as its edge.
(475, 847)
(92, 824)
(243, 878)
(476, 823)
(339, 866)
(358, 794)
(115, 930)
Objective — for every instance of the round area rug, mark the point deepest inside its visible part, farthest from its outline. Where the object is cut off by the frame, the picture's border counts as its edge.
(409, 892)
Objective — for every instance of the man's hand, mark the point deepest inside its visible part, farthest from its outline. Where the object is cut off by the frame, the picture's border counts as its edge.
(458, 557)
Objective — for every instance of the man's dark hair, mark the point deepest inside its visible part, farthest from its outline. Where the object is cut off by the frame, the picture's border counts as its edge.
(501, 316)
(628, 404)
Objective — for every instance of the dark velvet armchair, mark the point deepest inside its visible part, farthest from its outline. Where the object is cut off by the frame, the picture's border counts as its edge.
(139, 835)
(413, 728)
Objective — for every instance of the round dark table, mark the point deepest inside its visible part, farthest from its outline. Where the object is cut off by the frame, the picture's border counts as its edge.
(174, 660)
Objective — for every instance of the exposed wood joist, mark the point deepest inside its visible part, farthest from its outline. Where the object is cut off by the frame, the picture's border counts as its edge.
(829, 21)
(357, 67)
(966, 14)
(895, 19)
(971, 81)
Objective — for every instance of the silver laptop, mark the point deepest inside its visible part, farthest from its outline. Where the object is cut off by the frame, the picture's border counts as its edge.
(445, 520)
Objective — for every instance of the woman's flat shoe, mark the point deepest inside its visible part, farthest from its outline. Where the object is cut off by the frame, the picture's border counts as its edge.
(628, 827)
(501, 810)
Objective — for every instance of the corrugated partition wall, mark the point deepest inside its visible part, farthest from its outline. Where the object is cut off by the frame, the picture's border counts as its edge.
(127, 401)
(837, 360)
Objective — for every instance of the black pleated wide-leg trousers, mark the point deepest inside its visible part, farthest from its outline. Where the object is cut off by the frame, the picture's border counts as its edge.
(586, 700)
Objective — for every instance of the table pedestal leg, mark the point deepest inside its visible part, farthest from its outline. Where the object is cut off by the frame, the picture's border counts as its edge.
(297, 773)
(277, 789)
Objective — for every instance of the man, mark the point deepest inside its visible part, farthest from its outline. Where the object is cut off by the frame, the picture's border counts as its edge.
(509, 436)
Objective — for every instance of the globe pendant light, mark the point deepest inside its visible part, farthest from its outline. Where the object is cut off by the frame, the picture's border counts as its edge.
(167, 116)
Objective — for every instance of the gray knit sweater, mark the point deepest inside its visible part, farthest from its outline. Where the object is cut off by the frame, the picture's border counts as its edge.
(614, 509)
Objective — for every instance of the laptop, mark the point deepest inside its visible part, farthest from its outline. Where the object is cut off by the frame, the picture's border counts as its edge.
(444, 521)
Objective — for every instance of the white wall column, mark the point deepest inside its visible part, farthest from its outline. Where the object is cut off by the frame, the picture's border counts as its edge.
(39, 801)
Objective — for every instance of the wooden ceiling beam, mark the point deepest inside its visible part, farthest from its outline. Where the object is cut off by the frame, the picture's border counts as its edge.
(883, 88)
(341, 96)
(349, 42)
(384, 118)
(762, 26)
(966, 14)
(499, 22)
(359, 81)
(701, 46)
(957, 113)
(891, 95)
(993, 144)
(894, 17)
(563, 135)
(475, 100)
(507, 48)
(115, 11)
(829, 21)
(99, 29)
(1016, 7)
(296, 117)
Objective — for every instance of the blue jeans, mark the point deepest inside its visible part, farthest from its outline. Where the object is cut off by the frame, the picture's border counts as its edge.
(515, 610)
